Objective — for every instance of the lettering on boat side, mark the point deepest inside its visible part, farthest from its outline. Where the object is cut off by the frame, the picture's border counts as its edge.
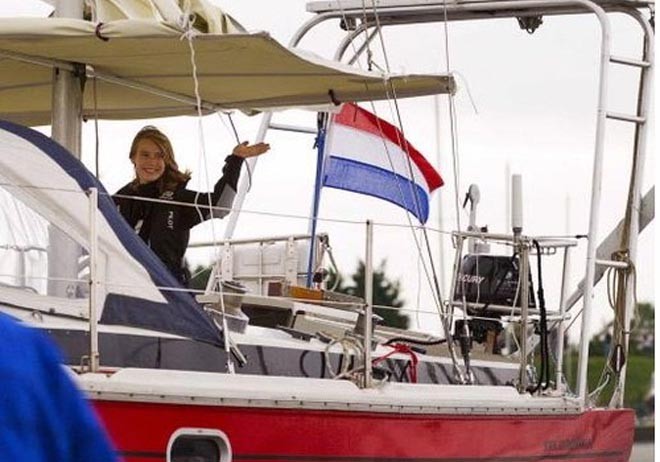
(569, 444)
(470, 278)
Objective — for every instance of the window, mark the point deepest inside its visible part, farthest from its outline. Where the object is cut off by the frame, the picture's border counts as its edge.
(198, 445)
(35, 255)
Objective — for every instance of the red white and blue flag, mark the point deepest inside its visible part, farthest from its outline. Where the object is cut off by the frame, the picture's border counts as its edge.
(367, 155)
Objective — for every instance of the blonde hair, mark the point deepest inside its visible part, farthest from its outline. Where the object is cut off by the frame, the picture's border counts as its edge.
(172, 177)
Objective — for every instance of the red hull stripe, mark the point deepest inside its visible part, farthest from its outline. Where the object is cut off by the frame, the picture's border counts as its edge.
(142, 431)
(605, 455)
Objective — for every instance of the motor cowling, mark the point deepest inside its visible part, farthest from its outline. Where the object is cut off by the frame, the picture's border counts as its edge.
(490, 282)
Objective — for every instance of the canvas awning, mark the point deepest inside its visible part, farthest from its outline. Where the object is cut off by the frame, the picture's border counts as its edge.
(235, 70)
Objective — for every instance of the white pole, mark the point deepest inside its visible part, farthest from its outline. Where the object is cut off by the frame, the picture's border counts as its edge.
(369, 299)
(563, 298)
(561, 335)
(635, 201)
(244, 184)
(93, 281)
(594, 215)
(524, 309)
(516, 204)
(507, 195)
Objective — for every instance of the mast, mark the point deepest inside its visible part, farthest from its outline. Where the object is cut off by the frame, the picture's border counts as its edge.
(66, 130)
(67, 92)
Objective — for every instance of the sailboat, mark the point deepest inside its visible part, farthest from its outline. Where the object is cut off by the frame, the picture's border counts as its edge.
(264, 365)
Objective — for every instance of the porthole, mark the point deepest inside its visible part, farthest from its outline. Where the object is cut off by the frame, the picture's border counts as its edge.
(198, 445)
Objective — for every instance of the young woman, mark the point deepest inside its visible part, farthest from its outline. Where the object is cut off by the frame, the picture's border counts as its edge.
(165, 226)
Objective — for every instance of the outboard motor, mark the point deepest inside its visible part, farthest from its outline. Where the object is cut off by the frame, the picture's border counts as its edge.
(489, 284)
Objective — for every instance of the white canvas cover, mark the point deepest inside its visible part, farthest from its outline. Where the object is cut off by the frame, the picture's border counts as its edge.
(137, 289)
(42, 187)
(236, 71)
(208, 17)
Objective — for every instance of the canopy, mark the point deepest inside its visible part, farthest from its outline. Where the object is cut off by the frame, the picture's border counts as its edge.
(250, 72)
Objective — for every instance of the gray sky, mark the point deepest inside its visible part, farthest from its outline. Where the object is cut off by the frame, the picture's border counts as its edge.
(535, 97)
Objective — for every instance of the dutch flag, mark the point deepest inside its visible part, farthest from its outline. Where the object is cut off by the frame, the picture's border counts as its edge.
(368, 155)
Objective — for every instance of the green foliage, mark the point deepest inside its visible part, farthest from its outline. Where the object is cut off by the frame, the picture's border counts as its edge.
(200, 277)
(638, 378)
(643, 329)
(640, 368)
(385, 292)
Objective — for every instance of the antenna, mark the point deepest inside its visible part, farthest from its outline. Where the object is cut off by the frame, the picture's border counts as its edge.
(516, 204)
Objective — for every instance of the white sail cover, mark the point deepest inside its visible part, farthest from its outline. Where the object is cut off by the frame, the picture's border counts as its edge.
(47, 179)
(250, 72)
(208, 17)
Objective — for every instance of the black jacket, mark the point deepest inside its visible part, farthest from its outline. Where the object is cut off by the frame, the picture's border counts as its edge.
(165, 227)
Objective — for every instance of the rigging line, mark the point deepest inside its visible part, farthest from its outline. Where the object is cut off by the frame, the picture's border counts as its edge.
(380, 35)
(452, 121)
(189, 20)
(409, 161)
(417, 203)
(238, 141)
(258, 212)
(579, 312)
(367, 41)
(225, 209)
(433, 281)
(438, 295)
(233, 127)
(437, 301)
(189, 33)
(419, 294)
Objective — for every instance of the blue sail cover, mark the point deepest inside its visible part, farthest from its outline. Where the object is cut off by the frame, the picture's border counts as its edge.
(29, 158)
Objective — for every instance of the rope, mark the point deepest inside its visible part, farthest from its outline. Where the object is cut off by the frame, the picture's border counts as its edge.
(351, 348)
(452, 122)
(403, 349)
(189, 34)
(187, 21)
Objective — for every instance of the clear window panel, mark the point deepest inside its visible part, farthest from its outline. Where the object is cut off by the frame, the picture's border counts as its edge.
(35, 255)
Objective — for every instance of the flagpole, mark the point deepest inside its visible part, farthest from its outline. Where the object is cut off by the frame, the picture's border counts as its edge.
(320, 147)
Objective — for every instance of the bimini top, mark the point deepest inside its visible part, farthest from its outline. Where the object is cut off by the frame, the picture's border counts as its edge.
(38, 174)
(144, 70)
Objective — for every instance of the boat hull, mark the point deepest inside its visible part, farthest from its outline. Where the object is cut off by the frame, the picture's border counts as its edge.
(142, 431)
